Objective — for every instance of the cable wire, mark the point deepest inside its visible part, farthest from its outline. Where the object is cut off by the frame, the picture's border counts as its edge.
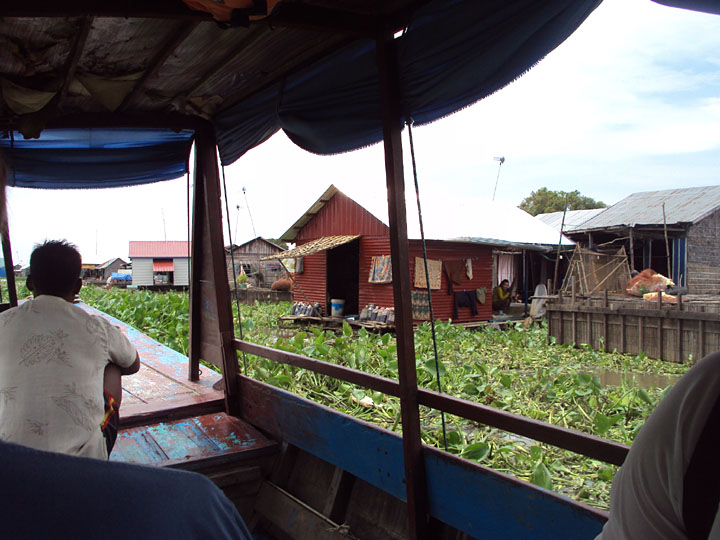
(427, 276)
(232, 261)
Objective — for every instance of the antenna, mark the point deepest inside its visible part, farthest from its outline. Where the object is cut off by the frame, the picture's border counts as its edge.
(248, 207)
(501, 160)
(162, 211)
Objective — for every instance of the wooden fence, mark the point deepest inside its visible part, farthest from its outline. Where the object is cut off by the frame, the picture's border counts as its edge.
(682, 332)
(264, 296)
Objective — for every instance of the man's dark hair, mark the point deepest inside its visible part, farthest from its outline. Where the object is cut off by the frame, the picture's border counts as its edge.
(504, 281)
(55, 266)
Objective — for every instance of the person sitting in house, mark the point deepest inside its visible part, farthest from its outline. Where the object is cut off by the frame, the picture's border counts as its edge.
(501, 297)
(60, 367)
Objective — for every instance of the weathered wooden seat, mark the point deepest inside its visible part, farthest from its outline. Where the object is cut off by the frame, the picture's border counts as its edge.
(192, 443)
(229, 451)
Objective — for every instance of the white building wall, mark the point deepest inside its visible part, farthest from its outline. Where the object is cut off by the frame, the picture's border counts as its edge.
(181, 269)
(142, 271)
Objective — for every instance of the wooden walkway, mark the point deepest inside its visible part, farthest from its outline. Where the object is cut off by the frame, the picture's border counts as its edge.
(167, 420)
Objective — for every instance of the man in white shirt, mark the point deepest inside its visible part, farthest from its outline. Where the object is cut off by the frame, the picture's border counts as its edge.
(60, 367)
(669, 486)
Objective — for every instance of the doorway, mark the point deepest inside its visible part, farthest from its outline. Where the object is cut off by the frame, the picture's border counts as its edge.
(343, 276)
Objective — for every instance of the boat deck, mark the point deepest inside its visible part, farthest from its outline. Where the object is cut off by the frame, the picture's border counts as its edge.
(162, 381)
(167, 420)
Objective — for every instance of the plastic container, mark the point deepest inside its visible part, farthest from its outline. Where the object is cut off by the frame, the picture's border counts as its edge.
(337, 305)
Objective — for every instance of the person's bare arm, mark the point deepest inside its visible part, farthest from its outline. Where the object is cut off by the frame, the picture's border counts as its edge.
(132, 368)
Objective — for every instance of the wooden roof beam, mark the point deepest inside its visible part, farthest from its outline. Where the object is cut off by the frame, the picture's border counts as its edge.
(76, 51)
(178, 35)
(290, 15)
(150, 9)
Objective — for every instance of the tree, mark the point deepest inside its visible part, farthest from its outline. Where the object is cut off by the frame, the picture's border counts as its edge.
(544, 200)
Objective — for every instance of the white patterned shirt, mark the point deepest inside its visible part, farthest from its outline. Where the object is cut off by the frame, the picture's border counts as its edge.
(52, 361)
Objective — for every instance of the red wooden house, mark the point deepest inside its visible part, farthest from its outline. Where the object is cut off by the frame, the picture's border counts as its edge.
(339, 241)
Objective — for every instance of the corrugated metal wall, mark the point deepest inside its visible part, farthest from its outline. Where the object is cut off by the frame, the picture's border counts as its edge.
(342, 215)
(382, 294)
(181, 271)
(312, 281)
(142, 271)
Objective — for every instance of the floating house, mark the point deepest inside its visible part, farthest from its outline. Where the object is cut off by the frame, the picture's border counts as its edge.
(160, 262)
(343, 252)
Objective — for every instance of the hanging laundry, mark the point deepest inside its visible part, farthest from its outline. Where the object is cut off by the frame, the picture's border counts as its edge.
(480, 294)
(464, 299)
(455, 271)
(380, 269)
(434, 269)
(468, 268)
(420, 302)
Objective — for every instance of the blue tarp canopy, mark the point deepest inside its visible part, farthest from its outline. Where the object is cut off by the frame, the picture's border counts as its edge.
(454, 53)
(120, 277)
(93, 158)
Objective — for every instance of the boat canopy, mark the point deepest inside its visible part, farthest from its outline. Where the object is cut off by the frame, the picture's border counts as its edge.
(451, 53)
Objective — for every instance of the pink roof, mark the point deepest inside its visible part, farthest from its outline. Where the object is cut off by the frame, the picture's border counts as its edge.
(158, 249)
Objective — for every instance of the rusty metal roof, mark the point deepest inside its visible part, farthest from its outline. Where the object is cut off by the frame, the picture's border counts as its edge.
(314, 246)
(682, 206)
(310, 213)
(159, 249)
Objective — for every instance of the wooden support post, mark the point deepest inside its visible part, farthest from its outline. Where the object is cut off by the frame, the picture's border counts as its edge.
(211, 323)
(9, 267)
(680, 331)
(392, 130)
(632, 251)
(574, 291)
(659, 327)
(338, 496)
(605, 323)
(622, 334)
(589, 323)
(641, 333)
(561, 320)
(701, 341)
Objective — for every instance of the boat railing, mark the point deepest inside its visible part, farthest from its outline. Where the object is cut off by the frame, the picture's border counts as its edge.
(581, 443)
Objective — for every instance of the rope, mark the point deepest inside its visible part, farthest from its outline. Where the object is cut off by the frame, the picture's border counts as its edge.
(427, 276)
(232, 261)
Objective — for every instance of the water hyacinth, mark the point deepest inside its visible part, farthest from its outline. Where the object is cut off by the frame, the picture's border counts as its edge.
(515, 370)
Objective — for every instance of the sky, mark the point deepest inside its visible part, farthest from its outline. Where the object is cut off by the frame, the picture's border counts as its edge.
(630, 102)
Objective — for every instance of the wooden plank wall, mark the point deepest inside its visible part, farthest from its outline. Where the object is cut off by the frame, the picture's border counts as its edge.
(683, 332)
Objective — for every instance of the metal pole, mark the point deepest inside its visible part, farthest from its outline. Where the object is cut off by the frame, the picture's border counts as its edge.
(417, 505)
